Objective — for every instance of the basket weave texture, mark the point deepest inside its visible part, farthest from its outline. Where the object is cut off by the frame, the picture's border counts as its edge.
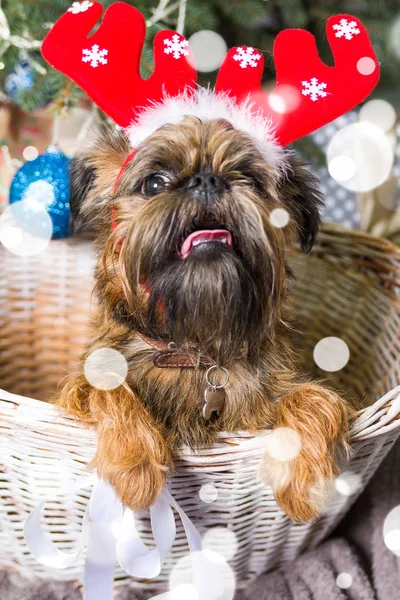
(348, 287)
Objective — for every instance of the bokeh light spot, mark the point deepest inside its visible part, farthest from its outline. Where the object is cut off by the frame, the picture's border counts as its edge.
(25, 230)
(391, 530)
(392, 540)
(366, 65)
(367, 147)
(277, 103)
(342, 168)
(106, 368)
(284, 99)
(184, 591)
(11, 237)
(221, 540)
(331, 354)
(380, 113)
(209, 50)
(348, 483)
(219, 583)
(208, 493)
(279, 217)
(30, 153)
(344, 580)
(283, 444)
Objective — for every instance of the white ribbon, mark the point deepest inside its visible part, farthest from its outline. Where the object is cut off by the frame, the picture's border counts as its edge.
(110, 531)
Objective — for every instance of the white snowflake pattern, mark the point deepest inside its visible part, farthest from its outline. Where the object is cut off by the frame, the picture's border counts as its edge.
(346, 29)
(176, 46)
(95, 56)
(314, 89)
(247, 56)
(80, 7)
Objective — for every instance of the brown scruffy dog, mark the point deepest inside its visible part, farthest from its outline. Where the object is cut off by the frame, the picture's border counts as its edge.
(174, 303)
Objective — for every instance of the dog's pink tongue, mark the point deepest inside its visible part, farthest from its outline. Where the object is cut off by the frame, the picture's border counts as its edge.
(203, 236)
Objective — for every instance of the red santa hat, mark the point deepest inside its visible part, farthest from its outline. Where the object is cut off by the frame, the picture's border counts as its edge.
(308, 92)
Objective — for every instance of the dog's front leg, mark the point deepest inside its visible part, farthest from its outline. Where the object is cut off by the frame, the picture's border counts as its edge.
(132, 453)
(320, 420)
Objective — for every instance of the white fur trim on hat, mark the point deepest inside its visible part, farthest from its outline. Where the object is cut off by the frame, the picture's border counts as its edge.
(207, 105)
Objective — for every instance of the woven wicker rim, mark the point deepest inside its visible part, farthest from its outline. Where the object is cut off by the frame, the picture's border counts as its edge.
(383, 416)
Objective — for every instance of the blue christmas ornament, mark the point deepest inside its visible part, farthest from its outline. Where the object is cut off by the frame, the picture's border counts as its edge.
(44, 183)
(21, 80)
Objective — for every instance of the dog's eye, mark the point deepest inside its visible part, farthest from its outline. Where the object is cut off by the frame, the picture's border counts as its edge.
(255, 182)
(155, 184)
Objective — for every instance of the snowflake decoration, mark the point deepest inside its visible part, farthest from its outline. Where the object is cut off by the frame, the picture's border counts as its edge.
(314, 89)
(80, 7)
(95, 56)
(346, 29)
(247, 56)
(176, 46)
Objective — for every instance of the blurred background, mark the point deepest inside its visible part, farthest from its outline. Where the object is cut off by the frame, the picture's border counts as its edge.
(356, 157)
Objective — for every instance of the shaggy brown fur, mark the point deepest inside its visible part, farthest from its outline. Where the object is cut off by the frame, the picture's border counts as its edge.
(215, 301)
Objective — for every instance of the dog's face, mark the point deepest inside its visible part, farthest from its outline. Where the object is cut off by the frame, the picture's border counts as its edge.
(196, 258)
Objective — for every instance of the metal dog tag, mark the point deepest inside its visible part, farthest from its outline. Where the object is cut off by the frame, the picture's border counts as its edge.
(214, 401)
(214, 395)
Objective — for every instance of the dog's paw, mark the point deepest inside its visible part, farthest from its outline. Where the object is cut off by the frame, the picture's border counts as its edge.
(303, 450)
(274, 473)
(306, 503)
(132, 453)
(301, 492)
(140, 486)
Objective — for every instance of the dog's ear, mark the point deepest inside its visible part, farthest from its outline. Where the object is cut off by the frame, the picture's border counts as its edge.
(302, 198)
(93, 171)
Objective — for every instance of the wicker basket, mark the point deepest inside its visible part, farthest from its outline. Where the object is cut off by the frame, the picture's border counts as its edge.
(348, 287)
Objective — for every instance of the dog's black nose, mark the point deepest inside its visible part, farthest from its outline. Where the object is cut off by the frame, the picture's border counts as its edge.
(206, 184)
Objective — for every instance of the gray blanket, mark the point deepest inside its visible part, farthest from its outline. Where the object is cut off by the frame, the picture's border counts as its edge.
(356, 548)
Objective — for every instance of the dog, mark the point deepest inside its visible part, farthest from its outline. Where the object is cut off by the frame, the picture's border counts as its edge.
(192, 270)
(226, 293)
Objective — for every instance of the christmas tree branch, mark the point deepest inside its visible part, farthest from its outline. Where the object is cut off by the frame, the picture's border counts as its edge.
(162, 11)
(180, 26)
(278, 15)
(43, 4)
(311, 23)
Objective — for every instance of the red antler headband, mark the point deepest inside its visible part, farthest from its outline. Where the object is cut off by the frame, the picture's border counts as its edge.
(308, 92)
(107, 64)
